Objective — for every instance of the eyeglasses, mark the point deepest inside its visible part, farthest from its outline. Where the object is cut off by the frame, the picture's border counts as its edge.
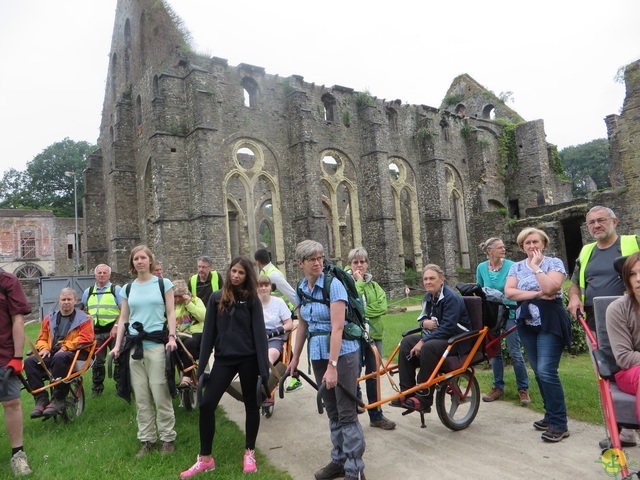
(359, 262)
(319, 259)
(601, 221)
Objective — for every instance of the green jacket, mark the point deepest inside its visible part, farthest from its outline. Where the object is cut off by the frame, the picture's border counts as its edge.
(190, 317)
(375, 304)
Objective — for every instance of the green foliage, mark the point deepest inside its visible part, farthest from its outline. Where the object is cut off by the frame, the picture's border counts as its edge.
(422, 134)
(465, 131)
(555, 163)
(286, 86)
(453, 99)
(507, 150)
(44, 186)
(506, 97)
(587, 160)
(411, 277)
(364, 99)
(503, 211)
(346, 119)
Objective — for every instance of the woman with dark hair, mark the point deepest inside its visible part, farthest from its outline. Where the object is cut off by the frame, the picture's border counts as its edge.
(623, 328)
(234, 330)
(543, 325)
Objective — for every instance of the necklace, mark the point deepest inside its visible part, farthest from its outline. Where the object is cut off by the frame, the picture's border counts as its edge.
(496, 268)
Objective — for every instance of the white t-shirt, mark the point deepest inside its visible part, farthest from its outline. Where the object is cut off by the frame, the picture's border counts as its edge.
(275, 313)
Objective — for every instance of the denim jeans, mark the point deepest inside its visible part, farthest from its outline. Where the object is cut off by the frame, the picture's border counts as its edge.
(519, 368)
(544, 351)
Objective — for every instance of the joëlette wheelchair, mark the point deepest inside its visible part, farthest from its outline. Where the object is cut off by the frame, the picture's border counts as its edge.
(457, 397)
(75, 400)
(276, 377)
(188, 394)
(618, 407)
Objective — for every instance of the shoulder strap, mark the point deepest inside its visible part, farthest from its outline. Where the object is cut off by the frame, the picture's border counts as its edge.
(127, 289)
(161, 287)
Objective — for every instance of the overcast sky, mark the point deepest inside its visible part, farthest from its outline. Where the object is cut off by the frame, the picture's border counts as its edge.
(558, 58)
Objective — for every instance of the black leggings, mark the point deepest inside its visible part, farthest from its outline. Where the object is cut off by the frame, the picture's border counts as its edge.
(220, 378)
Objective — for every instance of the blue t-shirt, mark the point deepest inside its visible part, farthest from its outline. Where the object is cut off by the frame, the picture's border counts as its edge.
(146, 305)
(318, 317)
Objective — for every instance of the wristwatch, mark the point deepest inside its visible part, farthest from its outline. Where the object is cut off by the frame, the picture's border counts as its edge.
(173, 335)
(539, 271)
(333, 363)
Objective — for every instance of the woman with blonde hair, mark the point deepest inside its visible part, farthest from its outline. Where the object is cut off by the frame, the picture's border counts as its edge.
(493, 273)
(543, 325)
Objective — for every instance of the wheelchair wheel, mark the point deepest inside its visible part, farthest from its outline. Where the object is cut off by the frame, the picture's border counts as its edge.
(458, 400)
(268, 411)
(74, 401)
(189, 398)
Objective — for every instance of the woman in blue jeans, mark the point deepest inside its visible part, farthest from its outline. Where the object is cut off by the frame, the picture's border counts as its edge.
(536, 284)
(493, 273)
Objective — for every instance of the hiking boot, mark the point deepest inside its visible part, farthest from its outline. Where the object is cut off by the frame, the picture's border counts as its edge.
(145, 447)
(19, 464)
(295, 384)
(56, 407)
(493, 395)
(167, 448)
(383, 423)
(42, 400)
(249, 462)
(96, 392)
(199, 467)
(554, 434)
(329, 472)
(525, 399)
(541, 425)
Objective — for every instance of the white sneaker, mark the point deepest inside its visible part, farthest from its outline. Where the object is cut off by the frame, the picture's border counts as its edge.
(19, 464)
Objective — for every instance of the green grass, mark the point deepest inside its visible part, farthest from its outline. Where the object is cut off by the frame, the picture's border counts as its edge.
(406, 301)
(576, 373)
(102, 443)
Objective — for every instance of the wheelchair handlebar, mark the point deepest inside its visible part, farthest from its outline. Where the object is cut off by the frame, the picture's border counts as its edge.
(323, 388)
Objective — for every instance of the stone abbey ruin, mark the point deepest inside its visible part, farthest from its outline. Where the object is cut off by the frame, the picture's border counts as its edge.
(200, 157)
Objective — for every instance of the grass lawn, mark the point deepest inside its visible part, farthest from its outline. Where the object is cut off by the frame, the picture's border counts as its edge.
(576, 373)
(102, 443)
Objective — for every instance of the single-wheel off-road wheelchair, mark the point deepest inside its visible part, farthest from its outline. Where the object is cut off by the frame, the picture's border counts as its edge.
(457, 393)
(188, 391)
(267, 399)
(75, 399)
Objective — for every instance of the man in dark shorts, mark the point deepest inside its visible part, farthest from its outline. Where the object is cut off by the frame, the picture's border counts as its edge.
(13, 307)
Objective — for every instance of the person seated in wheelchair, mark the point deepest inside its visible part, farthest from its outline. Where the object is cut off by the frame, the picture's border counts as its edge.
(443, 316)
(190, 313)
(277, 318)
(60, 335)
(623, 329)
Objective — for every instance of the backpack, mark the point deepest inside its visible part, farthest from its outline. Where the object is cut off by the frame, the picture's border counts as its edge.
(495, 311)
(355, 327)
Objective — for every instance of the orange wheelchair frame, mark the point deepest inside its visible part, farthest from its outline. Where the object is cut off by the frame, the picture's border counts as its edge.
(457, 397)
(189, 394)
(75, 401)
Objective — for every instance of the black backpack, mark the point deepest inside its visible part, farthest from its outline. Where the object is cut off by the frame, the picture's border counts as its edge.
(495, 311)
(127, 288)
(355, 320)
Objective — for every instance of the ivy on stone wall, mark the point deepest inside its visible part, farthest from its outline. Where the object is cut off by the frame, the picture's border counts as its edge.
(453, 99)
(507, 151)
(364, 99)
(555, 163)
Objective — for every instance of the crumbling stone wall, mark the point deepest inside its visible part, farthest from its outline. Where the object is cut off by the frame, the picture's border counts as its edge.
(167, 171)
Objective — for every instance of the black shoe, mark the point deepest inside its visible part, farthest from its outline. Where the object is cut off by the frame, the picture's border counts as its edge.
(42, 400)
(96, 392)
(554, 434)
(605, 444)
(541, 425)
(331, 471)
(360, 477)
(56, 407)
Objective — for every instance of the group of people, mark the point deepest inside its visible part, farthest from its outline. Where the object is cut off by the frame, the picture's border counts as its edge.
(243, 324)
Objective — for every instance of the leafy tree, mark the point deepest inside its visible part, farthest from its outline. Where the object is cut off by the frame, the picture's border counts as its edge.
(589, 160)
(44, 185)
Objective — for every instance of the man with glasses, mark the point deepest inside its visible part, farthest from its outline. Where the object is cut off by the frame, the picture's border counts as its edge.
(595, 276)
